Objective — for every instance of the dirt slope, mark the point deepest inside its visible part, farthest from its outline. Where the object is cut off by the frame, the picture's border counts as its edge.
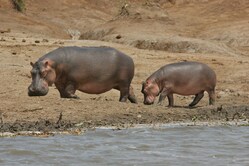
(152, 32)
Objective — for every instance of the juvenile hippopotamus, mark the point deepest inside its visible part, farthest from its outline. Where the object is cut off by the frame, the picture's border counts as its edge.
(183, 78)
(92, 70)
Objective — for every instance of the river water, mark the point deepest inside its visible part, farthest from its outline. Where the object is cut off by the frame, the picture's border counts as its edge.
(145, 146)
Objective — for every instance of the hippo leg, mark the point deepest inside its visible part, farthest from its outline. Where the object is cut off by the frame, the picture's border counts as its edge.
(163, 95)
(67, 91)
(170, 99)
(211, 94)
(124, 93)
(161, 98)
(132, 96)
(197, 98)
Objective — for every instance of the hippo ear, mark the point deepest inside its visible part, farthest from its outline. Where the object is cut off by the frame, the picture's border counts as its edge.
(32, 64)
(46, 64)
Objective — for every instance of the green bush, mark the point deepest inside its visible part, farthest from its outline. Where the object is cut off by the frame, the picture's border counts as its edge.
(19, 5)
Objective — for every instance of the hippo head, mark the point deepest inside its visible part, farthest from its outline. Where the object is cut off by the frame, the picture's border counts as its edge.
(150, 90)
(43, 75)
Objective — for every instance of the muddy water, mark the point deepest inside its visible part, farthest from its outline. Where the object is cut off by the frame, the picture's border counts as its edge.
(192, 146)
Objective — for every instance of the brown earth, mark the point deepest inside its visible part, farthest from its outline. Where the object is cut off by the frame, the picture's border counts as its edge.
(152, 32)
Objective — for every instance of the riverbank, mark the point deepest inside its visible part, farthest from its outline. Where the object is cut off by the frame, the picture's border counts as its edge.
(153, 34)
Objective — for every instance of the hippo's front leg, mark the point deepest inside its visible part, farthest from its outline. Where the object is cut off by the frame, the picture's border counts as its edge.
(163, 95)
(67, 91)
(161, 98)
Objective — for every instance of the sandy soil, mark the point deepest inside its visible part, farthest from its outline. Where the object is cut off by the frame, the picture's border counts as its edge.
(153, 33)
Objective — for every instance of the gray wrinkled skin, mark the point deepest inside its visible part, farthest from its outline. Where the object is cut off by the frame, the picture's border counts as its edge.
(92, 70)
(183, 78)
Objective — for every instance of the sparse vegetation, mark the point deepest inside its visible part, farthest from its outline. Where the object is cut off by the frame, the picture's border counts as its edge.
(96, 35)
(19, 5)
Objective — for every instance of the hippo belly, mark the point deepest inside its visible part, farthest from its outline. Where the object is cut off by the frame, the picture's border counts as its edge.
(95, 88)
(186, 91)
(189, 88)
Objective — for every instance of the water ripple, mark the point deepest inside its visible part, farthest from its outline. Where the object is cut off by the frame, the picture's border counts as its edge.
(142, 146)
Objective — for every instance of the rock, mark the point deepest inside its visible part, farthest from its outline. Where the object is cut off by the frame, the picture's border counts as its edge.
(5, 31)
(2, 39)
(118, 37)
(45, 40)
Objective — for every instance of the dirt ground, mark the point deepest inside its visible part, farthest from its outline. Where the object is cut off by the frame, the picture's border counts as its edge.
(152, 32)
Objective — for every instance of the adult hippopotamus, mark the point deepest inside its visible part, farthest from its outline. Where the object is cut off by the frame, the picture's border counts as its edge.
(183, 78)
(92, 70)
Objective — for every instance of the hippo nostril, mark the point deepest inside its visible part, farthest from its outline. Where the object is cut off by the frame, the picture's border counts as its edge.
(30, 89)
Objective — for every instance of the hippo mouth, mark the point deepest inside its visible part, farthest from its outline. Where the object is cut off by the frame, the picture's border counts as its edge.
(30, 93)
(149, 100)
(148, 103)
(35, 92)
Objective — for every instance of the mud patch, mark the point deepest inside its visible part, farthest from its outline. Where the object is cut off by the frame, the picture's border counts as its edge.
(130, 119)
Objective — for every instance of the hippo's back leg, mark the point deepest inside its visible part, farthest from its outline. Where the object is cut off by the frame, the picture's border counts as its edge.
(126, 93)
(211, 94)
(132, 96)
(197, 98)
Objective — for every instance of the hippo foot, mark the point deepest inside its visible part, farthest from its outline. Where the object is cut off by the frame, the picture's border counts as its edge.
(132, 100)
(71, 97)
(75, 97)
(190, 106)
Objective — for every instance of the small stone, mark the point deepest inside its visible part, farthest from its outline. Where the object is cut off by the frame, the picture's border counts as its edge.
(2, 39)
(45, 40)
(118, 37)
